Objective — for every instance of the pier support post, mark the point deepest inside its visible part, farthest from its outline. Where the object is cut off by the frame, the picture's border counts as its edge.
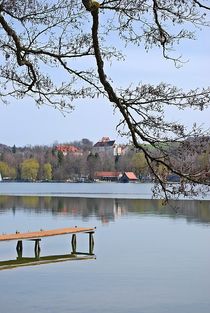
(91, 242)
(19, 246)
(37, 248)
(74, 243)
(19, 249)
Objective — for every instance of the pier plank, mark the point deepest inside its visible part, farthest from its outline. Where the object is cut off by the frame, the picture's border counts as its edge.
(46, 233)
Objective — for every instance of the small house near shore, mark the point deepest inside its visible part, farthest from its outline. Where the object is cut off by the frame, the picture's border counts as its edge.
(107, 176)
(128, 177)
(125, 177)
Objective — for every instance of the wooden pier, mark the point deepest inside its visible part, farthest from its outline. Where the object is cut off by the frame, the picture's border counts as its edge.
(36, 237)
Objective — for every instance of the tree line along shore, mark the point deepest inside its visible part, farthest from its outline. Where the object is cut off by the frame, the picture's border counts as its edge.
(83, 161)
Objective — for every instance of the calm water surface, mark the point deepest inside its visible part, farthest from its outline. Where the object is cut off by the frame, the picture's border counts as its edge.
(149, 258)
(92, 190)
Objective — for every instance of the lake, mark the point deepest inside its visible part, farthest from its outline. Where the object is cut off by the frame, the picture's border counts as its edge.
(148, 258)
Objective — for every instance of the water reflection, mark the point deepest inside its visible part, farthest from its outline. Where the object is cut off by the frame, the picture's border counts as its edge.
(145, 263)
(106, 209)
(38, 260)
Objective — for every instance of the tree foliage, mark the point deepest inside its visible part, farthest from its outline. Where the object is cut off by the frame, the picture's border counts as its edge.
(74, 38)
(29, 169)
(93, 164)
(47, 171)
(7, 171)
(140, 163)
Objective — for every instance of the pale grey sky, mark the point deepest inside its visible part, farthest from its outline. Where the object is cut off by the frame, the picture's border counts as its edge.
(22, 123)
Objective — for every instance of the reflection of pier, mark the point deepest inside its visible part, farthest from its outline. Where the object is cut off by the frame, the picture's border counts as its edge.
(37, 260)
(36, 237)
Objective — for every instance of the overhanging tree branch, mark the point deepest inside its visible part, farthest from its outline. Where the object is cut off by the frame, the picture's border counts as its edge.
(21, 60)
(134, 127)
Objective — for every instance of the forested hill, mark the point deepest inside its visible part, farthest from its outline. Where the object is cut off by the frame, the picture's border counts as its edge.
(82, 159)
(66, 161)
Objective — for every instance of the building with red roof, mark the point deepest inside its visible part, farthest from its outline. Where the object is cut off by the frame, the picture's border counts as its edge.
(69, 149)
(128, 177)
(107, 176)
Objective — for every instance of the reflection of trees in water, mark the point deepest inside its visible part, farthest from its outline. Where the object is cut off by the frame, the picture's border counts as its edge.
(193, 210)
(106, 209)
(83, 207)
